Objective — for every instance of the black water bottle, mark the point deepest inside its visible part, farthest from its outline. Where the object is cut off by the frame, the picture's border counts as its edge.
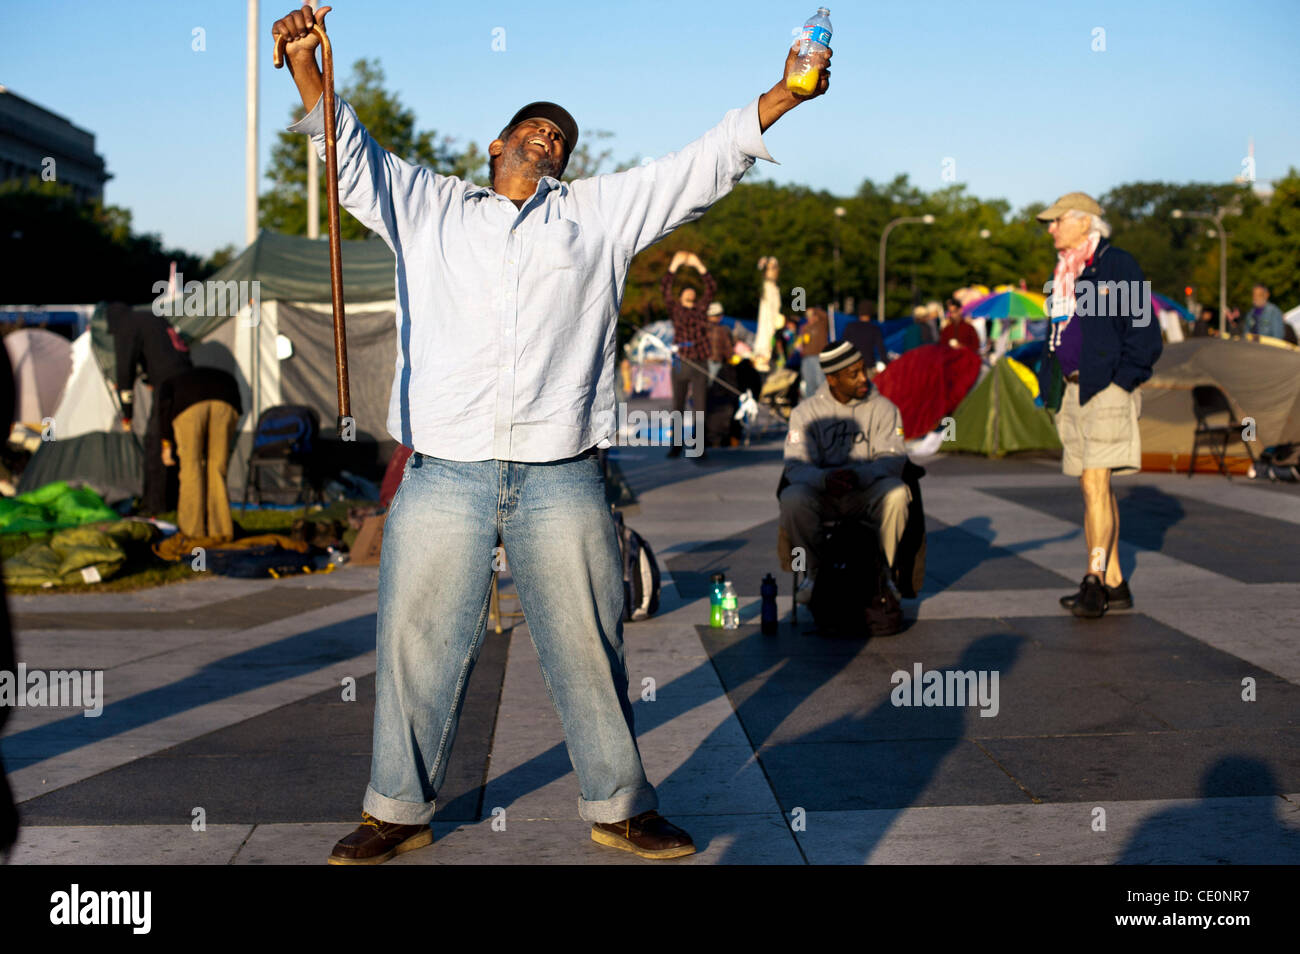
(768, 590)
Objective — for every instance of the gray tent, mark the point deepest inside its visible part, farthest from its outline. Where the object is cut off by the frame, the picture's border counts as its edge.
(282, 351)
(266, 318)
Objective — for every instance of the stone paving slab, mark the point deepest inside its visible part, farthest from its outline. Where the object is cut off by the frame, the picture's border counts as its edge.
(1249, 548)
(1139, 713)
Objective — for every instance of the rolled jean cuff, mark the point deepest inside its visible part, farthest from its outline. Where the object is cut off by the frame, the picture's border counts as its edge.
(395, 812)
(619, 808)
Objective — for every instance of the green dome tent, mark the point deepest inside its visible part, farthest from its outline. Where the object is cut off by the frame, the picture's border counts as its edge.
(999, 417)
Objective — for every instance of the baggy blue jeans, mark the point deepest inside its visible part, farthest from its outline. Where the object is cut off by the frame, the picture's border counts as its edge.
(435, 577)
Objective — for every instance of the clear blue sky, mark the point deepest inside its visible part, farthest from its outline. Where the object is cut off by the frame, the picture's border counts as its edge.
(1012, 91)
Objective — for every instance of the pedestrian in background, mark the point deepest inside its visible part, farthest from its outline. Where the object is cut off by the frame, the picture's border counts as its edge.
(1097, 356)
(1264, 318)
(693, 351)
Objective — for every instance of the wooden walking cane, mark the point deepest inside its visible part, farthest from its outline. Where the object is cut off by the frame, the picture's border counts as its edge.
(332, 202)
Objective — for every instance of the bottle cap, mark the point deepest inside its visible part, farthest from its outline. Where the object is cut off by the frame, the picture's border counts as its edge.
(717, 578)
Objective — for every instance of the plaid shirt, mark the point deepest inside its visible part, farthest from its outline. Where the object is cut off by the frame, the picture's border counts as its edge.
(691, 325)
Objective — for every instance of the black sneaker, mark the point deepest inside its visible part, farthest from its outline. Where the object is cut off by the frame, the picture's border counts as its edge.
(1092, 602)
(1118, 597)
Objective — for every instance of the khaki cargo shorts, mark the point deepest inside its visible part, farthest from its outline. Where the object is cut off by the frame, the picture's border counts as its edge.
(1101, 433)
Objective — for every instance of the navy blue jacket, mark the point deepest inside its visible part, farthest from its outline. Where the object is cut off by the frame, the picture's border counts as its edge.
(1121, 338)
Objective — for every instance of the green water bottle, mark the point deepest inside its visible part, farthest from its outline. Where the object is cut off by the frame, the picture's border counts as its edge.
(717, 587)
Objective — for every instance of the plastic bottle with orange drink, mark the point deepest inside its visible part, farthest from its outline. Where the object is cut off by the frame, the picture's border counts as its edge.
(815, 38)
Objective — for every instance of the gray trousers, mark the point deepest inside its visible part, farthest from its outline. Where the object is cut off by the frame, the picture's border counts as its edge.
(884, 504)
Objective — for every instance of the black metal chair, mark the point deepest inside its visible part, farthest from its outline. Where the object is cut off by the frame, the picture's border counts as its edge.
(284, 441)
(1209, 401)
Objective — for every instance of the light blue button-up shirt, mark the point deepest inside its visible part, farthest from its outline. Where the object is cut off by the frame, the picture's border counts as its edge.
(507, 317)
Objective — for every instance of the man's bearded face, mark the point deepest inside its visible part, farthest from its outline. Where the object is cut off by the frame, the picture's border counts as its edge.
(534, 148)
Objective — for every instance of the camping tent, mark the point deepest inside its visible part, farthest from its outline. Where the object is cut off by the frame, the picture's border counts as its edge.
(927, 383)
(86, 442)
(42, 361)
(999, 416)
(276, 337)
(282, 348)
(1261, 381)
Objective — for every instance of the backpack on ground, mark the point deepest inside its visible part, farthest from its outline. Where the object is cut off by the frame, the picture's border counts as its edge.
(640, 573)
(884, 612)
(850, 596)
(283, 430)
(1279, 462)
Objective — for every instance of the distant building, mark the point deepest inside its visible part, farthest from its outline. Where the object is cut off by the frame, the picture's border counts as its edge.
(29, 134)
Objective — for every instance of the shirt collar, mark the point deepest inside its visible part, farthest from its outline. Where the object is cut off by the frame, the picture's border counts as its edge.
(544, 185)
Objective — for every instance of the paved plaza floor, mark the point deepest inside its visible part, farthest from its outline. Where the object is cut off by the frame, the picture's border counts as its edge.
(1165, 734)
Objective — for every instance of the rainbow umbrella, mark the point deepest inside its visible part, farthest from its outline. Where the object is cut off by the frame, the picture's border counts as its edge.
(1007, 304)
(1164, 303)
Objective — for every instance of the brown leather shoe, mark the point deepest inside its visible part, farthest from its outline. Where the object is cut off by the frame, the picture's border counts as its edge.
(648, 835)
(375, 841)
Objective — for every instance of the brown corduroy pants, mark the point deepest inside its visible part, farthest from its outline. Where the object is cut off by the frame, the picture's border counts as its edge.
(204, 432)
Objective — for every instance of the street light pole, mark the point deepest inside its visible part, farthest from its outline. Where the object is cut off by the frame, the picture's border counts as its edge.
(250, 129)
(1217, 219)
(926, 219)
(840, 212)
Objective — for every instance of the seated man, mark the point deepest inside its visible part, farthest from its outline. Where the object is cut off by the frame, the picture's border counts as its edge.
(844, 458)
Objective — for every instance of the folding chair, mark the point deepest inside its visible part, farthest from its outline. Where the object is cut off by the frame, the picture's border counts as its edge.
(284, 440)
(1208, 401)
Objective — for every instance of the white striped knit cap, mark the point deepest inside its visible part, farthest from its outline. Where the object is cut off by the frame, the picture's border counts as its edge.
(839, 357)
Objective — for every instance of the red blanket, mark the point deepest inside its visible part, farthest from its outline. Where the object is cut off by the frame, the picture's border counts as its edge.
(927, 384)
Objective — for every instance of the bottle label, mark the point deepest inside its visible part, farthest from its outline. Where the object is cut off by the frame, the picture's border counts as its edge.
(815, 33)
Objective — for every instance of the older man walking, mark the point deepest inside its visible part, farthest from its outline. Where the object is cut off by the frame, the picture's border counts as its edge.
(507, 314)
(1102, 345)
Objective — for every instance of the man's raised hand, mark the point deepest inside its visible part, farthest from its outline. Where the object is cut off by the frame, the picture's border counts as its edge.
(297, 26)
(820, 60)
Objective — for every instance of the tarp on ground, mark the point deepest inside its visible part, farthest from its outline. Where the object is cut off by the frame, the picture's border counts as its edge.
(928, 383)
(1261, 382)
(999, 417)
(76, 555)
(52, 507)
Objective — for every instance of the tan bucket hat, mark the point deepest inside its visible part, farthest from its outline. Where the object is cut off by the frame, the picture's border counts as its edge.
(1071, 201)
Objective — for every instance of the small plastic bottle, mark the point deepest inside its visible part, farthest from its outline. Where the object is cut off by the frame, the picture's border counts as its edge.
(730, 611)
(815, 38)
(717, 586)
(769, 619)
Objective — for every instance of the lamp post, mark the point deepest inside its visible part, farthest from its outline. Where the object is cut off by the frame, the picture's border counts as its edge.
(840, 212)
(926, 219)
(1217, 219)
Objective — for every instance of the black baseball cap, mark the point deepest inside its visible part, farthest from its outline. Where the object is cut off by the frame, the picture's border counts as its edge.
(552, 112)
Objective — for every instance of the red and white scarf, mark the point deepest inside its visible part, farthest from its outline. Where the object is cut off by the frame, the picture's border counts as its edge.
(1070, 264)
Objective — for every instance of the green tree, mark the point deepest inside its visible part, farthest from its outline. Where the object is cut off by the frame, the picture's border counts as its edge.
(1263, 246)
(57, 249)
(284, 206)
